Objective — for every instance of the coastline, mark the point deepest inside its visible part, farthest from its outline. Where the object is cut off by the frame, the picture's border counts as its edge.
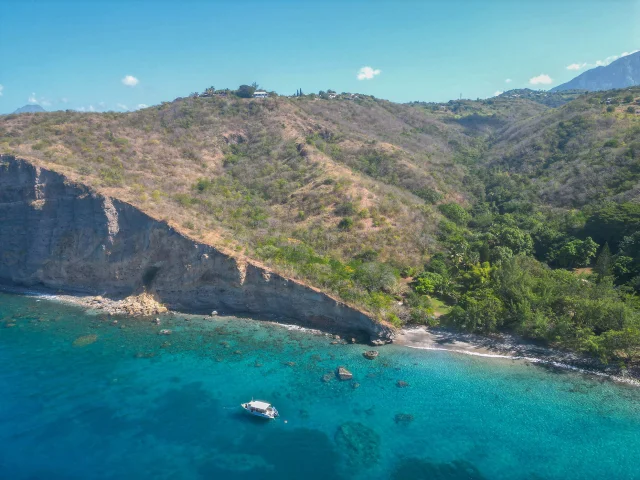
(501, 346)
(511, 347)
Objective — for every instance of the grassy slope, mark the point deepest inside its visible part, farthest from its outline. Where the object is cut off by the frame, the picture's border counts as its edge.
(577, 154)
(266, 179)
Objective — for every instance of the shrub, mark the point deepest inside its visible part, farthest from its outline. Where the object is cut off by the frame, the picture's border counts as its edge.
(375, 276)
(429, 195)
(345, 209)
(428, 283)
(394, 320)
(346, 224)
(455, 213)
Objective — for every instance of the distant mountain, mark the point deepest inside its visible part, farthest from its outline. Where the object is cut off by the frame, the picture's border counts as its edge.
(624, 72)
(31, 108)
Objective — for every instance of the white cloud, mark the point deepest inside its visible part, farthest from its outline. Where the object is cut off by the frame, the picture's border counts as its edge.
(142, 105)
(64, 99)
(91, 109)
(499, 92)
(612, 58)
(367, 73)
(1, 88)
(606, 61)
(508, 80)
(33, 98)
(576, 66)
(101, 104)
(81, 109)
(121, 106)
(542, 79)
(130, 81)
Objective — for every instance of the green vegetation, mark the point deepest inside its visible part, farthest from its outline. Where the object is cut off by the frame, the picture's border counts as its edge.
(517, 213)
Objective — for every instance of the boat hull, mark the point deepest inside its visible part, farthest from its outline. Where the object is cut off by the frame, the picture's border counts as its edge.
(272, 415)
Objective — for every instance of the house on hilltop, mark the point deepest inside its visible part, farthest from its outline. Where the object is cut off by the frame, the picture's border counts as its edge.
(260, 94)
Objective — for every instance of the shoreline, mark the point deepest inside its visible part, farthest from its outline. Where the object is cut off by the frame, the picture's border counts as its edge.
(500, 346)
(511, 347)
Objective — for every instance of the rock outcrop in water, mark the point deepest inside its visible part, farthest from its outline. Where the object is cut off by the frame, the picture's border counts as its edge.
(64, 236)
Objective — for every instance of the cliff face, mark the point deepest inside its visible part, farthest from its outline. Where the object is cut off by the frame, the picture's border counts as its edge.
(64, 236)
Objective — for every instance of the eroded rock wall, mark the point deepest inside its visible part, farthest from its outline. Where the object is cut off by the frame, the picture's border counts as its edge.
(63, 236)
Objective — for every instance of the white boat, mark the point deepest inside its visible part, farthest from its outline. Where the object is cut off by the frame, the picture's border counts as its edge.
(261, 409)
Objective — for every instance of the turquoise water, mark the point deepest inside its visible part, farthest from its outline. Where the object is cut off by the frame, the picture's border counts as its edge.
(137, 405)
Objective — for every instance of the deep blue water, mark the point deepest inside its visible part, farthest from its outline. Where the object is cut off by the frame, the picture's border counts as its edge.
(132, 406)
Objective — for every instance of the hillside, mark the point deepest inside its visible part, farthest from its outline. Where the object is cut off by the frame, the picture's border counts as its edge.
(548, 98)
(421, 212)
(582, 153)
(622, 73)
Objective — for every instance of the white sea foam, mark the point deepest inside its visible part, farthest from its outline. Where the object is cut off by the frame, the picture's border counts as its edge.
(553, 363)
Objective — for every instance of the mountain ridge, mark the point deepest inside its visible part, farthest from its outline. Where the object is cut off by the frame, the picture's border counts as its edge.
(621, 73)
(30, 108)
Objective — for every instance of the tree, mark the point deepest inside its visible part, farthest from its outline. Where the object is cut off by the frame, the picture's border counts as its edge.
(479, 311)
(604, 263)
(518, 241)
(612, 222)
(631, 110)
(245, 91)
(455, 213)
(428, 283)
(576, 253)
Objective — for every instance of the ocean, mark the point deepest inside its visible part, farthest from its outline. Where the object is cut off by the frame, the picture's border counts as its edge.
(86, 396)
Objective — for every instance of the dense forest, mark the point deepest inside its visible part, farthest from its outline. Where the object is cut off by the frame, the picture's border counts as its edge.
(518, 213)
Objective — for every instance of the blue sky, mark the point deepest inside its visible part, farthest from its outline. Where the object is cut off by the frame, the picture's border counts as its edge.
(75, 54)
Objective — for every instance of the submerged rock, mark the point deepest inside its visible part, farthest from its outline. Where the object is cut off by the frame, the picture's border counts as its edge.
(327, 377)
(164, 331)
(344, 374)
(403, 418)
(85, 340)
(401, 384)
(421, 468)
(145, 355)
(358, 443)
(370, 354)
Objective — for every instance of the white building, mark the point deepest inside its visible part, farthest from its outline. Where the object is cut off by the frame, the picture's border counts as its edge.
(260, 94)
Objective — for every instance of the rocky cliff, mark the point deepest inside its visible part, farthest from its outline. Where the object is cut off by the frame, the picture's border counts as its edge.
(64, 236)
